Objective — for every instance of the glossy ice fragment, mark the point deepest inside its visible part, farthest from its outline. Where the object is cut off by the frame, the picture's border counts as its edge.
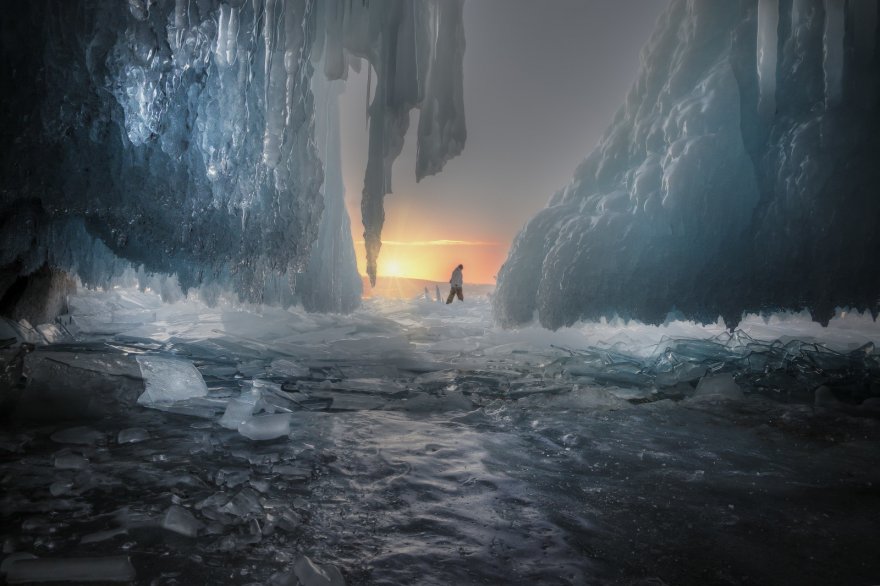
(179, 520)
(265, 427)
(132, 435)
(167, 380)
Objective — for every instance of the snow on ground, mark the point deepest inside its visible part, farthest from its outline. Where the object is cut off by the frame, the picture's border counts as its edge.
(416, 443)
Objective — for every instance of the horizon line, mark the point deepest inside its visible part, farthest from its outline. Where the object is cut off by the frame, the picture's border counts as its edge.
(433, 243)
(363, 276)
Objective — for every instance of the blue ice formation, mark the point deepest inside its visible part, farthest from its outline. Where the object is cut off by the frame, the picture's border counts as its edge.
(178, 137)
(739, 175)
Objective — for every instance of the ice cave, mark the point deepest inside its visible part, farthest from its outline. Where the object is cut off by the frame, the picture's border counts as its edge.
(218, 366)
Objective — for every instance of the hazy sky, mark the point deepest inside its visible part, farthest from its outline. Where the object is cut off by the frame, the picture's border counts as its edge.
(543, 80)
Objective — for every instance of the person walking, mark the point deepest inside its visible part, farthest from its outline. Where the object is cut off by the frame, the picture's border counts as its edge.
(456, 281)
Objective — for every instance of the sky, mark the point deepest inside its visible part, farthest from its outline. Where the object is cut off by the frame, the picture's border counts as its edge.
(542, 81)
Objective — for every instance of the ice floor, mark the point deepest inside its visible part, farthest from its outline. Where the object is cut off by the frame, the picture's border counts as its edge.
(415, 443)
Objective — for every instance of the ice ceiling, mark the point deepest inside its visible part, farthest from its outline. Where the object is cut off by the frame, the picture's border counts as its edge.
(185, 138)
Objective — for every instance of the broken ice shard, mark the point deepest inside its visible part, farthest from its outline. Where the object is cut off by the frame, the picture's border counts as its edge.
(180, 520)
(132, 435)
(167, 380)
(265, 427)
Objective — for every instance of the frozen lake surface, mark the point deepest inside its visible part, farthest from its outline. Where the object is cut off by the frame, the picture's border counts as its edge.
(415, 443)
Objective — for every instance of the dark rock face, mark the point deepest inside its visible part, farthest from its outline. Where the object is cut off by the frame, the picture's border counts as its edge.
(38, 297)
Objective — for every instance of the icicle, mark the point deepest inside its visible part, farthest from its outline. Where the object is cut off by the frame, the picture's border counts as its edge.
(232, 36)
(180, 23)
(833, 58)
(768, 24)
(334, 56)
(276, 83)
(864, 21)
(369, 89)
(222, 34)
(442, 131)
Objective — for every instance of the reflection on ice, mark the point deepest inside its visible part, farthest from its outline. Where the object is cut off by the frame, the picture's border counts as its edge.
(415, 442)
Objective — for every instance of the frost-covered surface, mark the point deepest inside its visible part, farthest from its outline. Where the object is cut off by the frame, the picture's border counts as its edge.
(739, 176)
(416, 443)
(178, 136)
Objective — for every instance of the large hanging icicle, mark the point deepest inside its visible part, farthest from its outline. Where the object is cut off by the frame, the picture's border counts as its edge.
(418, 64)
(768, 25)
(442, 130)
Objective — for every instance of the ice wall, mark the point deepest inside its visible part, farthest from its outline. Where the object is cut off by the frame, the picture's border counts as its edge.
(178, 136)
(702, 200)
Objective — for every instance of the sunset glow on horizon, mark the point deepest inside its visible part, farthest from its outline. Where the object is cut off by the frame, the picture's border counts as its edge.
(435, 260)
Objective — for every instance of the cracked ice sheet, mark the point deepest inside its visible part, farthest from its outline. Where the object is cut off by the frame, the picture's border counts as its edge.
(495, 467)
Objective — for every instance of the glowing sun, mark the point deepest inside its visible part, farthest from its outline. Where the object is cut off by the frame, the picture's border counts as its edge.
(393, 269)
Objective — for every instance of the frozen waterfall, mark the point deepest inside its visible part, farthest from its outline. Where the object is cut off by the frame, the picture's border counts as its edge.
(739, 175)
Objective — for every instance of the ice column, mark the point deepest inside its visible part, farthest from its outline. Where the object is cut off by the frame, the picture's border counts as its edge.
(833, 56)
(768, 23)
(331, 282)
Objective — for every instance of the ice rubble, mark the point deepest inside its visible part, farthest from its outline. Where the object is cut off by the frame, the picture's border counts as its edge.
(319, 429)
(179, 137)
(738, 176)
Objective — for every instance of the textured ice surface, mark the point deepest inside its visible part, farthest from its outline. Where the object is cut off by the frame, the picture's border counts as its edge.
(738, 176)
(167, 380)
(179, 137)
(456, 452)
(265, 427)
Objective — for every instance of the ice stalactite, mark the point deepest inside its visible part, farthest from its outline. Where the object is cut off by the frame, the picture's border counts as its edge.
(442, 130)
(768, 25)
(833, 53)
(418, 65)
(696, 204)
